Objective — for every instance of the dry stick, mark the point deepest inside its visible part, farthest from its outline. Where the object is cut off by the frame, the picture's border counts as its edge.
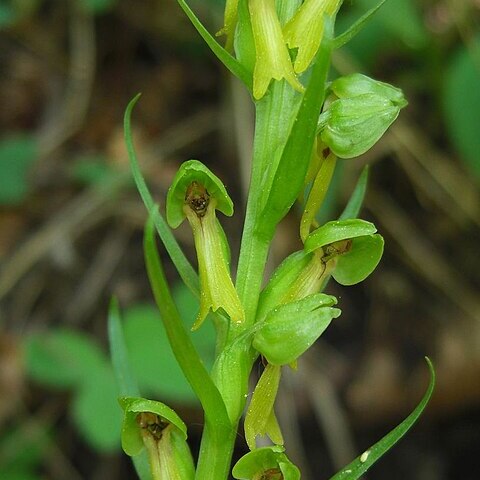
(441, 169)
(330, 415)
(100, 271)
(422, 255)
(73, 219)
(81, 76)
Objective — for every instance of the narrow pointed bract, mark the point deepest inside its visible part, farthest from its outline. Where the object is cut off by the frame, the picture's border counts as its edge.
(229, 22)
(272, 57)
(305, 30)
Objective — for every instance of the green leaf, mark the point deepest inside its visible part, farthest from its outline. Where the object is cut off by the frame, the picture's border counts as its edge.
(17, 153)
(92, 170)
(461, 97)
(195, 172)
(230, 62)
(357, 264)
(126, 381)
(290, 329)
(151, 357)
(362, 463)
(356, 199)
(62, 358)
(182, 346)
(186, 271)
(23, 449)
(356, 28)
(96, 412)
(336, 231)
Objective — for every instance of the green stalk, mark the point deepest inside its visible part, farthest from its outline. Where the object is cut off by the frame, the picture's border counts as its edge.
(216, 450)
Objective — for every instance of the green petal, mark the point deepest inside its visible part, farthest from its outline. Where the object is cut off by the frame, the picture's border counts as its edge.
(338, 230)
(357, 264)
(272, 57)
(259, 412)
(189, 172)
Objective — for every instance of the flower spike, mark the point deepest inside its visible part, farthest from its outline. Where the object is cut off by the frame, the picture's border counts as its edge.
(272, 57)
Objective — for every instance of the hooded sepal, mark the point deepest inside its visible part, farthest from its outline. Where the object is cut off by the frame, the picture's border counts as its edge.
(156, 427)
(260, 418)
(272, 57)
(305, 30)
(350, 248)
(268, 463)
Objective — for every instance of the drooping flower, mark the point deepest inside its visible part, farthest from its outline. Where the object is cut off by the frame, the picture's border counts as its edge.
(196, 193)
(272, 56)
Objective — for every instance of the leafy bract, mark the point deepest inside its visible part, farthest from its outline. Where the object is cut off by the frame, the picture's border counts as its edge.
(363, 462)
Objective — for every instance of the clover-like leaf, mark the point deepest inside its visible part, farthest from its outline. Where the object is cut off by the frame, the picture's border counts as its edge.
(269, 463)
(290, 329)
(192, 178)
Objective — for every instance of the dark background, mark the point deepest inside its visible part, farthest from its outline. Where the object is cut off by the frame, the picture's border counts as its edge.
(71, 229)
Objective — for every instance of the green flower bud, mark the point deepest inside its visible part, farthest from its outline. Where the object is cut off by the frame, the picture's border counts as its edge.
(260, 418)
(290, 329)
(305, 30)
(156, 427)
(230, 374)
(349, 248)
(351, 126)
(195, 194)
(266, 463)
(272, 57)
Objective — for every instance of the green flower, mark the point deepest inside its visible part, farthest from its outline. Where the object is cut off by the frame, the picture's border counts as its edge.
(351, 249)
(305, 30)
(272, 57)
(267, 463)
(195, 194)
(361, 114)
(290, 329)
(156, 427)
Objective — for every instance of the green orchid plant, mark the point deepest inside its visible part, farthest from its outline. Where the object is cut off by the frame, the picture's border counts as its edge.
(305, 124)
